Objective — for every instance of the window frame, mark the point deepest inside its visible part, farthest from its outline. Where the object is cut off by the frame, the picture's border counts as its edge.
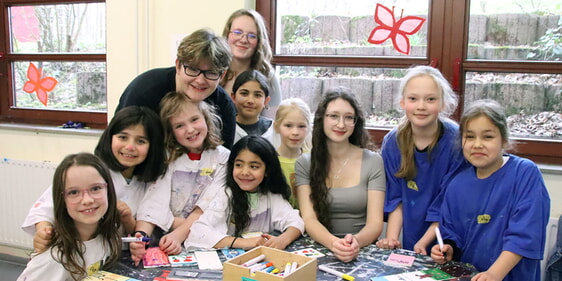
(448, 21)
(8, 112)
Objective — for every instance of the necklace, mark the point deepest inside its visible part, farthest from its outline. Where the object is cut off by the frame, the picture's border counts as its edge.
(337, 174)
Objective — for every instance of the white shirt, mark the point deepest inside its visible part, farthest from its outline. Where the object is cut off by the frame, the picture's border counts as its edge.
(44, 267)
(186, 184)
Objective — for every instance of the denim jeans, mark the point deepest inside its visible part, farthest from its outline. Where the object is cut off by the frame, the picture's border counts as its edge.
(554, 265)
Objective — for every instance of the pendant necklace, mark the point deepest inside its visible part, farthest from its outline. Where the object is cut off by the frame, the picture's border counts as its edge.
(337, 174)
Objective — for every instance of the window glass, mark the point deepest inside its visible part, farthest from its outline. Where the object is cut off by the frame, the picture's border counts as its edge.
(375, 88)
(532, 102)
(56, 59)
(66, 28)
(79, 85)
(343, 28)
(515, 30)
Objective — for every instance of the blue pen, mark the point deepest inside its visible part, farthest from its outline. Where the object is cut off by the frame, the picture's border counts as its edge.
(135, 239)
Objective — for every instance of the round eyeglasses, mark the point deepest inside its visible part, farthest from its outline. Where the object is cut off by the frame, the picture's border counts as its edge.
(239, 34)
(348, 120)
(194, 72)
(75, 195)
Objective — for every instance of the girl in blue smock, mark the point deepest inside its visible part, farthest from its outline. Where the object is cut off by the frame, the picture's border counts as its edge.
(420, 155)
(494, 214)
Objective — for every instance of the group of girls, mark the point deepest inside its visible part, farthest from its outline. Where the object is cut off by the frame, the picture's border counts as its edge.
(202, 195)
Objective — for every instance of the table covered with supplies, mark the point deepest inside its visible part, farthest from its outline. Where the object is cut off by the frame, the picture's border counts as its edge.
(372, 264)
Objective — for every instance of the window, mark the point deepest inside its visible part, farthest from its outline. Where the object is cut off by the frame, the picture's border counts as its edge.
(510, 51)
(53, 62)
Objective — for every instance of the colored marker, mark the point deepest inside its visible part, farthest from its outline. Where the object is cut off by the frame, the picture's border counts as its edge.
(135, 239)
(287, 269)
(254, 260)
(336, 273)
(440, 241)
(275, 271)
(294, 266)
(260, 267)
(269, 269)
(257, 264)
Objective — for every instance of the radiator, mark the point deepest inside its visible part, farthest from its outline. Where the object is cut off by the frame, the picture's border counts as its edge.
(21, 183)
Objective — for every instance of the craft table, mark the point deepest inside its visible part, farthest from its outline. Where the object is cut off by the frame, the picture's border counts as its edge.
(370, 263)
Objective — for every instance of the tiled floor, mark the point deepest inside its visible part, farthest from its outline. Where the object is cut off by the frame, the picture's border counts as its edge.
(11, 267)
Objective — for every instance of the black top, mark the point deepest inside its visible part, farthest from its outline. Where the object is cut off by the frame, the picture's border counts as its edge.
(150, 87)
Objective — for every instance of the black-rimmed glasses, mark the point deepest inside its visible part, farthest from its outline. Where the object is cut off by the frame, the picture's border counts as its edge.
(194, 72)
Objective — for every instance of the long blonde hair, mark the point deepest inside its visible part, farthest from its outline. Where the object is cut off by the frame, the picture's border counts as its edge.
(404, 135)
(261, 59)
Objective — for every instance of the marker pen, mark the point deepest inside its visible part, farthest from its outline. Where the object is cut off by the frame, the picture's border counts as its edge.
(440, 241)
(336, 273)
(135, 239)
(260, 267)
(254, 260)
(287, 269)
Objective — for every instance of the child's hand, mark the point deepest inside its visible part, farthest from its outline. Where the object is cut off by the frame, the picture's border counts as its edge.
(346, 249)
(442, 257)
(124, 210)
(485, 276)
(250, 243)
(171, 244)
(420, 248)
(137, 250)
(42, 237)
(388, 243)
(276, 242)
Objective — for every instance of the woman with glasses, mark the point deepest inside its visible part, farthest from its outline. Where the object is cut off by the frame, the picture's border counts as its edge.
(201, 63)
(341, 184)
(247, 37)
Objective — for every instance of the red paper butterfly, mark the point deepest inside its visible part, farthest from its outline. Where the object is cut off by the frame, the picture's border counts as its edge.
(38, 84)
(398, 31)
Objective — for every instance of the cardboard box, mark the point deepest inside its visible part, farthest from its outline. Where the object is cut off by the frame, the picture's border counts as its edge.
(306, 270)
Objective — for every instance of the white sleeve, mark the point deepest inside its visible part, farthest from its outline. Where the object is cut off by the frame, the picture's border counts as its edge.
(43, 267)
(284, 215)
(212, 226)
(42, 210)
(155, 205)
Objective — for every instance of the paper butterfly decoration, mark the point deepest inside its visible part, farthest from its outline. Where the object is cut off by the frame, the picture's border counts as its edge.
(37, 83)
(398, 31)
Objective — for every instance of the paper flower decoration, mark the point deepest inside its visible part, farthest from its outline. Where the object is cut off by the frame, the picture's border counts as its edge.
(37, 83)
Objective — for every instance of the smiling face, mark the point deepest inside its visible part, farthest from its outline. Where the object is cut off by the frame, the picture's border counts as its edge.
(243, 47)
(422, 102)
(483, 145)
(336, 128)
(293, 130)
(190, 128)
(130, 146)
(196, 88)
(248, 171)
(88, 211)
(250, 100)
